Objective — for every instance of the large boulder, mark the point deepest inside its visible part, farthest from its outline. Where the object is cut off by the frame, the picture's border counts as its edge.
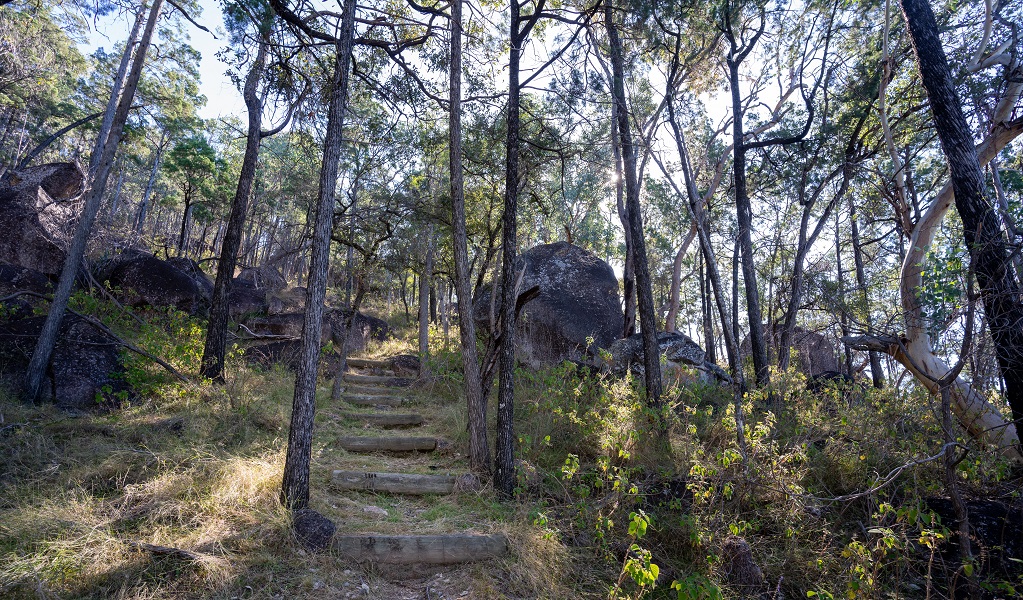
(289, 326)
(194, 271)
(144, 280)
(34, 216)
(576, 311)
(815, 354)
(681, 355)
(263, 277)
(246, 299)
(60, 181)
(85, 370)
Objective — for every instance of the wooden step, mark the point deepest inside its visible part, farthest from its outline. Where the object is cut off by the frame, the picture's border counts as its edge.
(369, 363)
(373, 389)
(374, 400)
(388, 444)
(395, 483)
(378, 380)
(386, 419)
(423, 549)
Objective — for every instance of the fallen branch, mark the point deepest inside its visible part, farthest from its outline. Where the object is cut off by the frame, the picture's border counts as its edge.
(263, 336)
(163, 550)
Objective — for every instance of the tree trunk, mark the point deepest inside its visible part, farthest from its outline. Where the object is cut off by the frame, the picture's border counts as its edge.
(295, 486)
(674, 295)
(504, 463)
(647, 315)
(424, 322)
(876, 375)
(220, 310)
(118, 108)
(744, 217)
(989, 255)
(479, 452)
(697, 213)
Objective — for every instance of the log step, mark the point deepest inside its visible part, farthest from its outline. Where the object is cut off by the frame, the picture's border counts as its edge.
(369, 363)
(386, 419)
(423, 549)
(374, 400)
(395, 483)
(388, 444)
(378, 380)
(372, 389)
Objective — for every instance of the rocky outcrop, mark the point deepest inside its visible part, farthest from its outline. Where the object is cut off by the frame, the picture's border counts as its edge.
(815, 354)
(576, 311)
(263, 277)
(144, 280)
(289, 326)
(34, 216)
(246, 299)
(85, 371)
(194, 271)
(681, 356)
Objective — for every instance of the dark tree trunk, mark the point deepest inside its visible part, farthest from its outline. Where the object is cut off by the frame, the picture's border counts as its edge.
(698, 214)
(216, 334)
(117, 110)
(295, 487)
(424, 323)
(989, 252)
(877, 376)
(479, 452)
(629, 268)
(504, 463)
(744, 217)
(645, 296)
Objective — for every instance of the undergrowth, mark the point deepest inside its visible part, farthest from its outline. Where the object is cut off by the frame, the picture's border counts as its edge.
(615, 500)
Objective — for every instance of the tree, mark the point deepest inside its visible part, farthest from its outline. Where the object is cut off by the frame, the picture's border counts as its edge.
(295, 487)
(194, 165)
(982, 232)
(479, 453)
(260, 16)
(118, 107)
(647, 316)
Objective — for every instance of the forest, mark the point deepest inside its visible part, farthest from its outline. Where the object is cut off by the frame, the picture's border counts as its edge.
(619, 299)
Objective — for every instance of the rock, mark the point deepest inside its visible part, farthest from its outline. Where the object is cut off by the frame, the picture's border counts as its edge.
(85, 370)
(194, 271)
(313, 530)
(996, 532)
(375, 511)
(815, 354)
(246, 299)
(737, 565)
(406, 365)
(60, 181)
(265, 277)
(144, 280)
(26, 241)
(577, 310)
(681, 353)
